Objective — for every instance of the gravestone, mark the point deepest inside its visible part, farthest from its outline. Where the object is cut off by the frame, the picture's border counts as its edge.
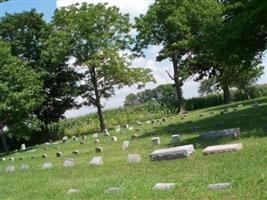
(84, 137)
(45, 148)
(96, 161)
(71, 191)
(240, 106)
(59, 154)
(133, 158)
(126, 126)
(106, 133)
(47, 144)
(233, 132)
(47, 165)
(125, 145)
(75, 138)
(11, 159)
(175, 140)
(10, 168)
(134, 136)
(201, 115)
(130, 128)
(68, 162)
(76, 152)
(3, 159)
(64, 139)
(114, 190)
(99, 149)
(24, 167)
(96, 141)
(164, 119)
(222, 148)
(23, 147)
(219, 186)
(155, 140)
(95, 135)
(172, 153)
(139, 123)
(82, 142)
(118, 128)
(44, 156)
(114, 139)
(164, 186)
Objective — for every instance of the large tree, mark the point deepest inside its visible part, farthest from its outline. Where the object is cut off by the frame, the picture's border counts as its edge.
(100, 37)
(174, 25)
(20, 91)
(36, 43)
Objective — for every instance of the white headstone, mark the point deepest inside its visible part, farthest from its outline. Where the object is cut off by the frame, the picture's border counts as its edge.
(130, 128)
(114, 139)
(68, 162)
(23, 147)
(96, 141)
(96, 161)
(59, 154)
(47, 165)
(164, 186)
(106, 133)
(10, 168)
(76, 152)
(64, 139)
(114, 190)
(155, 140)
(95, 135)
(11, 159)
(125, 144)
(24, 167)
(118, 128)
(71, 191)
(134, 158)
(99, 149)
(222, 148)
(126, 126)
(3, 159)
(172, 153)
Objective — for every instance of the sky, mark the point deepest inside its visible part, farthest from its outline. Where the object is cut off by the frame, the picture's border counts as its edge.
(135, 8)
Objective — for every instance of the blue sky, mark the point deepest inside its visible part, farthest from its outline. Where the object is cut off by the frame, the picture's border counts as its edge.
(135, 8)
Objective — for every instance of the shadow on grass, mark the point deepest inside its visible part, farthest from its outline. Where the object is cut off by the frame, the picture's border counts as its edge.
(251, 121)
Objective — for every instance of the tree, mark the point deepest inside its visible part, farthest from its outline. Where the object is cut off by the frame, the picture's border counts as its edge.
(207, 86)
(100, 36)
(20, 91)
(174, 26)
(36, 43)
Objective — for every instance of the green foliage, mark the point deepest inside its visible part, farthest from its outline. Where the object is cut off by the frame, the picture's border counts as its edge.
(20, 90)
(207, 86)
(100, 36)
(36, 43)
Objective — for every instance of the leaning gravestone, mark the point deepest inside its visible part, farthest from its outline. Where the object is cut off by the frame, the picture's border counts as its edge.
(164, 186)
(24, 167)
(68, 162)
(222, 148)
(155, 140)
(125, 145)
(175, 140)
(219, 186)
(172, 153)
(234, 132)
(10, 168)
(96, 161)
(134, 158)
(47, 165)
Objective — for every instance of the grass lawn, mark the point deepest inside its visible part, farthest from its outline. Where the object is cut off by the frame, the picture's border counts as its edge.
(246, 169)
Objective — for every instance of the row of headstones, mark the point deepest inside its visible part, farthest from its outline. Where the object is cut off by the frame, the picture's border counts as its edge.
(162, 186)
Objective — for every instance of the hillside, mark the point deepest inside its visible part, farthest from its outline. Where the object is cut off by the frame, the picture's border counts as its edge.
(245, 169)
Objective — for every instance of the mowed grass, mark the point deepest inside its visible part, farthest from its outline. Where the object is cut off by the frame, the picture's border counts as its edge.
(245, 169)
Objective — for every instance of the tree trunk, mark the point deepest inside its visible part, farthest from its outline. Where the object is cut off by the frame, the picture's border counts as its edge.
(226, 94)
(178, 87)
(97, 102)
(3, 138)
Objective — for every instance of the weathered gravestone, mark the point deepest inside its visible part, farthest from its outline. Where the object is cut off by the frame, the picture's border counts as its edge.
(222, 148)
(134, 136)
(76, 152)
(118, 128)
(64, 139)
(155, 140)
(125, 145)
(106, 133)
(10, 168)
(114, 139)
(233, 132)
(24, 167)
(44, 156)
(47, 165)
(175, 140)
(96, 141)
(172, 153)
(11, 159)
(95, 135)
(219, 186)
(3, 159)
(84, 137)
(164, 186)
(96, 161)
(71, 191)
(114, 190)
(134, 158)
(82, 142)
(68, 162)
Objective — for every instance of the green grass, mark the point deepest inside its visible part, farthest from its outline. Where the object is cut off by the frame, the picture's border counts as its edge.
(245, 169)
